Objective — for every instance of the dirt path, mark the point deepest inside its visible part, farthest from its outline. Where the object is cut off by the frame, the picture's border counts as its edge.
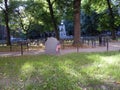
(112, 47)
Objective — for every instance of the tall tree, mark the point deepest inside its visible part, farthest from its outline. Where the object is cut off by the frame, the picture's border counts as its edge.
(111, 20)
(50, 4)
(6, 12)
(5, 9)
(76, 6)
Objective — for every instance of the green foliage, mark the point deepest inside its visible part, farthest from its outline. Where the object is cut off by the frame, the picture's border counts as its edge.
(103, 17)
(94, 15)
(1, 1)
(75, 71)
(89, 23)
(94, 5)
(69, 27)
(35, 31)
(65, 8)
(39, 11)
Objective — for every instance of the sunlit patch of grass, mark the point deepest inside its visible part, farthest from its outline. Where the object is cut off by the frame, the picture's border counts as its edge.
(112, 66)
(75, 71)
(26, 70)
(106, 67)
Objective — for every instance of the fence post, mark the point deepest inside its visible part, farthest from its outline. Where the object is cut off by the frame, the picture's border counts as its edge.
(78, 47)
(21, 48)
(27, 46)
(92, 43)
(10, 48)
(107, 44)
(63, 43)
(88, 42)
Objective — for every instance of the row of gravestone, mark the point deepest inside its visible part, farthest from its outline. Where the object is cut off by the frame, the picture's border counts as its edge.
(52, 45)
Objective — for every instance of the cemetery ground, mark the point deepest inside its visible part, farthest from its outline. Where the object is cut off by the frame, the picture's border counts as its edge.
(74, 71)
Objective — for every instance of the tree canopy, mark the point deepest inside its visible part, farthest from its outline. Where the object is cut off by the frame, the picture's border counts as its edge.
(39, 16)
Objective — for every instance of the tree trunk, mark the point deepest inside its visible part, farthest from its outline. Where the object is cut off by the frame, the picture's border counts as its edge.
(76, 6)
(7, 22)
(111, 20)
(53, 19)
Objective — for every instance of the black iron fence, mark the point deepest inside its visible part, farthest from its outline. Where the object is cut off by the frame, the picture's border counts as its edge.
(22, 46)
(28, 45)
(90, 41)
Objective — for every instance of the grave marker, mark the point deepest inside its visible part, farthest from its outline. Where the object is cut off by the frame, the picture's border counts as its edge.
(51, 46)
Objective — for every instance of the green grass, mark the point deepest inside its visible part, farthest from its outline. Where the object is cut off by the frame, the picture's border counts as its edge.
(14, 48)
(17, 48)
(76, 71)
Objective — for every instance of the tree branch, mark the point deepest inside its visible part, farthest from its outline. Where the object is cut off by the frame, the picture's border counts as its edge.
(53, 2)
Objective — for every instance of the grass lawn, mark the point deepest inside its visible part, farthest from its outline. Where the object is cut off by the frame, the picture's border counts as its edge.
(76, 71)
(14, 48)
(17, 48)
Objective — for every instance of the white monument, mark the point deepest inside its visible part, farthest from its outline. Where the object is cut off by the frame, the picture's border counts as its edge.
(62, 30)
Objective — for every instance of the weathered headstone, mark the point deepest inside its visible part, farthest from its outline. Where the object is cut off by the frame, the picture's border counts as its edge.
(51, 45)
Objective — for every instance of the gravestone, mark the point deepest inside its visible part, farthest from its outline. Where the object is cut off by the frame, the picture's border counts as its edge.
(51, 45)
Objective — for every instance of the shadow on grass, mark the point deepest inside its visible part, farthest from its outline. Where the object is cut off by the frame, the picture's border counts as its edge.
(75, 71)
